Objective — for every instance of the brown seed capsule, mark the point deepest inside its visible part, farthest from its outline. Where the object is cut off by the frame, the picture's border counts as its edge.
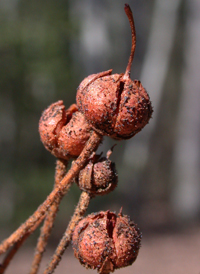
(114, 104)
(63, 132)
(99, 176)
(106, 241)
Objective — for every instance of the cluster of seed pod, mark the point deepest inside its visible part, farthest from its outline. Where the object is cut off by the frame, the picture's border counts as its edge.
(112, 105)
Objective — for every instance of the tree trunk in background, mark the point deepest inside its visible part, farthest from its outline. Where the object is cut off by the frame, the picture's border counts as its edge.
(186, 171)
(153, 147)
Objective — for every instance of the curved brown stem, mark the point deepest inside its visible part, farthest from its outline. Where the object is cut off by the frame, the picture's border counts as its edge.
(61, 168)
(16, 247)
(78, 213)
(133, 35)
(64, 185)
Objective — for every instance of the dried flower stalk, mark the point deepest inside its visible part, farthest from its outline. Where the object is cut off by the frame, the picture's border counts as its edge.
(64, 185)
(16, 247)
(61, 168)
(78, 213)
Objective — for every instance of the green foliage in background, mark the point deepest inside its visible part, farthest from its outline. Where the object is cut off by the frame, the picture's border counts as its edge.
(36, 70)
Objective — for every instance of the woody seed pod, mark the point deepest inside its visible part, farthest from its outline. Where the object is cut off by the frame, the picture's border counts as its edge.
(63, 132)
(99, 176)
(114, 104)
(106, 241)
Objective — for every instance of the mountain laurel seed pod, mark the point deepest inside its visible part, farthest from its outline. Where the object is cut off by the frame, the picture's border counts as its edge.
(99, 176)
(114, 104)
(106, 241)
(63, 132)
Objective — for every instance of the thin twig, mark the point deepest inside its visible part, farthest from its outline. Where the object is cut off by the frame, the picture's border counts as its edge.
(133, 35)
(61, 169)
(16, 247)
(64, 185)
(79, 212)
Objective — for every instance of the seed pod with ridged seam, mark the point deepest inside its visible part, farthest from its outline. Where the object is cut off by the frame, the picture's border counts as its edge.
(99, 176)
(114, 104)
(63, 132)
(106, 241)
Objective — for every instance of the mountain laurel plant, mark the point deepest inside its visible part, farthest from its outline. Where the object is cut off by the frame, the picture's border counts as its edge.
(106, 104)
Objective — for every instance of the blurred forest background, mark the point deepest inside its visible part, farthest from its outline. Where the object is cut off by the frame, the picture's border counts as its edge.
(46, 49)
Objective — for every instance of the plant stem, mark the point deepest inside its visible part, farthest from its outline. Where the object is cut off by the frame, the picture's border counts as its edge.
(16, 247)
(79, 212)
(133, 35)
(64, 185)
(61, 168)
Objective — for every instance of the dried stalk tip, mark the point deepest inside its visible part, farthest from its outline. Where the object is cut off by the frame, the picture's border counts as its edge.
(106, 241)
(63, 132)
(114, 104)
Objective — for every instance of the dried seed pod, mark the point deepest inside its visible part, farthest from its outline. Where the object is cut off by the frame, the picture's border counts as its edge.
(114, 104)
(99, 176)
(74, 135)
(106, 241)
(63, 132)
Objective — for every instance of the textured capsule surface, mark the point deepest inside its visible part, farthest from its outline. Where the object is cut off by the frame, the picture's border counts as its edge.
(98, 177)
(63, 132)
(74, 135)
(52, 120)
(114, 106)
(105, 240)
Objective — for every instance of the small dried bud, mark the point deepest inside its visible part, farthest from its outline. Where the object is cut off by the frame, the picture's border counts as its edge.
(63, 132)
(114, 104)
(106, 241)
(99, 176)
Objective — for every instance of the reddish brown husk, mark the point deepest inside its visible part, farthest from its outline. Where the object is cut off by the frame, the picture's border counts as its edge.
(51, 117)
(99, 176)
(114, 104)
(63, 132)
(105, 240)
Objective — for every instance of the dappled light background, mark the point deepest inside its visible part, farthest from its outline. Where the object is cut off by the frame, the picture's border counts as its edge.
(46, 49)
